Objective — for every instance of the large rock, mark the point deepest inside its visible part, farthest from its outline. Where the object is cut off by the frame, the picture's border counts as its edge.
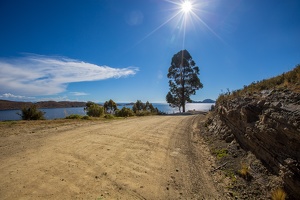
(268, 124)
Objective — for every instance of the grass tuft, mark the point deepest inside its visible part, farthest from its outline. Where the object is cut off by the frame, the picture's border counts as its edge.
(220, 153)
(244, 171)
(279, 194)
(74, 116)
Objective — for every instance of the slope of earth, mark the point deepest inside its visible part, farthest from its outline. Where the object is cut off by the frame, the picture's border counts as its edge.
(157, 157)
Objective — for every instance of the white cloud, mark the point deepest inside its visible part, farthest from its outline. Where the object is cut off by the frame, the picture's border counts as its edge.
(12, 96)
(57, 98)
(79, 93)
(37, 75)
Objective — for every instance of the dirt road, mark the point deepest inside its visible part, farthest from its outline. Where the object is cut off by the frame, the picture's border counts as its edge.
(157, 157)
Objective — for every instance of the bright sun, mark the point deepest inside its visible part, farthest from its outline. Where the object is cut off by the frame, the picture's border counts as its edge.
(186, 7)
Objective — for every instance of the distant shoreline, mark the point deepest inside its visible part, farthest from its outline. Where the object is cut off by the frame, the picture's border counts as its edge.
(17, 105)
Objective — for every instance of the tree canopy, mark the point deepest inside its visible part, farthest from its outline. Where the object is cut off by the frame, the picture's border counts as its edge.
(184, 81)
(110, 105)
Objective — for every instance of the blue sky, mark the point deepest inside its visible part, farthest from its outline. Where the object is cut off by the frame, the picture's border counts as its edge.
(121, 49)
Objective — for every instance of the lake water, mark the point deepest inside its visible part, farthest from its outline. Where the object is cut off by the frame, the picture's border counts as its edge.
(55, 113)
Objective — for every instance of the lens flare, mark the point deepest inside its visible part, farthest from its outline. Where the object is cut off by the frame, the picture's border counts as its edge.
(186, 13)
(186, 7)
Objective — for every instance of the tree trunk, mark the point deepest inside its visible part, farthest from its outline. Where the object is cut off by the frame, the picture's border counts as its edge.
(183, 99)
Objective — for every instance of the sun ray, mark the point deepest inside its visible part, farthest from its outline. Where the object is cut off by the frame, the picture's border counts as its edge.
(186, 6)
(186, 11)
(160, 26)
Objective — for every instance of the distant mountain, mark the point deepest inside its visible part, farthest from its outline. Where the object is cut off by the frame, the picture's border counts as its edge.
(15, 105)
(205, 101)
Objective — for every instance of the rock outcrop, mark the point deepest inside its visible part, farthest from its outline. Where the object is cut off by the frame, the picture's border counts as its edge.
(268, 125)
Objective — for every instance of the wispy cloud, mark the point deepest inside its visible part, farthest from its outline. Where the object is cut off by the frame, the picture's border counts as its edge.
(37, 75)
(79, 93)
(16, 97)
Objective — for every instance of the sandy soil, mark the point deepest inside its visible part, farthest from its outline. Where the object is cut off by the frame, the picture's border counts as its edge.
(157, 157)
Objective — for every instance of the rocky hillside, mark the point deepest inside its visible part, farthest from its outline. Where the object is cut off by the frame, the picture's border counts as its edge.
(15, 105)
(267, 123)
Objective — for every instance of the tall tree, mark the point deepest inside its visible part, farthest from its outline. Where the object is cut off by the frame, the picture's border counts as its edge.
(184, 81)
(138, 106)
(110, 105)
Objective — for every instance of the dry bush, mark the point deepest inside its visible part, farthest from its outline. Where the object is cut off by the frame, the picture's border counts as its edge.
(278, 194)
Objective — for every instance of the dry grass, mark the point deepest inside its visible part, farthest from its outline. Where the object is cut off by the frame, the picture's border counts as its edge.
(290, 80)
(278, 194)
(244, 171)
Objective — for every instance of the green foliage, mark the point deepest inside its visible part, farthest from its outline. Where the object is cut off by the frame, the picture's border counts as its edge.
(173, 100)
(184, 81)
(110, 105)
(32, 113)
(74, 116)
(109, 116)
(95, 110)
(86, 117)
(138, 106)
(144, 113)
(220, 153)
(124, 112)
(143, 109)
(89, 103)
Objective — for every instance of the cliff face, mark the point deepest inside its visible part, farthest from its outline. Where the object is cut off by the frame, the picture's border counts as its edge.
(268, 125)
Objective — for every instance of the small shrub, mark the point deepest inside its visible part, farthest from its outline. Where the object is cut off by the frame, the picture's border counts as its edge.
(32, 113)
(74, 116)
(278, 194)
(244, 172)
(124, 112)
(95, 110)
(221, 153)
(143, 113)
(86, 117)
(212, 108)
(109, 116)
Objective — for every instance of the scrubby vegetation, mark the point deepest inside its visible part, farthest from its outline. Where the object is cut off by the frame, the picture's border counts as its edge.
(109, 110)
(109, 116)
(220, 153)
(94, 110)
(289, 80)
(141, 109)
(31, 113)
(76, 116)
(110, 106)
(278, 194)
(124, 112)
(244, 172)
